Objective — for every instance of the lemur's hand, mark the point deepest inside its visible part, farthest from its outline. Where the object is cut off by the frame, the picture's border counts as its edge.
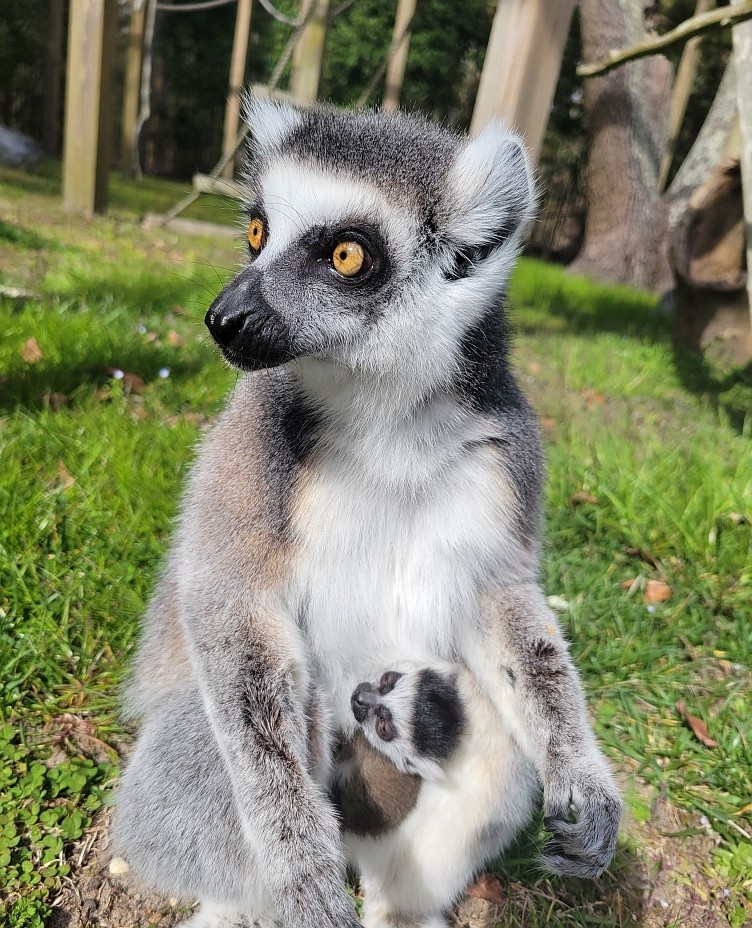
(582, 811)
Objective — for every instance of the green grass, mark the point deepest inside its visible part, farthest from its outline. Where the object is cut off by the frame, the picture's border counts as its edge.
(658, 443)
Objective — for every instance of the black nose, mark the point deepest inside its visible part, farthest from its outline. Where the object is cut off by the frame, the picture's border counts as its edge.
(363, 698)
(225, 322)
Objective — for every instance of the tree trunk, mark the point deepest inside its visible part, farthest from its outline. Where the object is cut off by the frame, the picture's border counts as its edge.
(707, 148)
(132, 90)
(627, 112)
(707, 249)
(742, 41)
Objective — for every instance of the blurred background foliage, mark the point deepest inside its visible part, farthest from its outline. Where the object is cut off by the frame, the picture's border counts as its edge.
(191, 61)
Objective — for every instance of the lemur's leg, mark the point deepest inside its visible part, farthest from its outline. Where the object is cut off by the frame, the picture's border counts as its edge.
(521, 660)
(251, 665)
(176, 821)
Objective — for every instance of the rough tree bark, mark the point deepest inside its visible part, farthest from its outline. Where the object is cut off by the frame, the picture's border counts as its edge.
(627, 114)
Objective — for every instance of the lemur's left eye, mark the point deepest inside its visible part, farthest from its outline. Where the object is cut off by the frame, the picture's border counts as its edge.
(256, 234)
(350, 259)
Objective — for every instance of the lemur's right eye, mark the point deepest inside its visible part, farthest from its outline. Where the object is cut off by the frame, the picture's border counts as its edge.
(256, 234)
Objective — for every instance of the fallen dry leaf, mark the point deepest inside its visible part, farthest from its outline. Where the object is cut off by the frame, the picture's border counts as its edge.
(548, 424)
(699, 728)
(630, 585)
(54, 400)
(487, 887)
(656, 591)
(132, 383)
(152, 337)
(31, 352)
(175, 340)
(593, 397)
(65, 477)
(643, 556)
(582, 497)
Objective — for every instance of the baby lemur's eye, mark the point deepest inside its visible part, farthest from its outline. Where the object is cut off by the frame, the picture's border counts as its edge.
(256, 234)
(350, 259)
(384, 727)
(388, 681)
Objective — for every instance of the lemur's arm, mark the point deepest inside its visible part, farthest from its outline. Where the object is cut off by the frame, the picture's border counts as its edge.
(253, 680)
(521, 659)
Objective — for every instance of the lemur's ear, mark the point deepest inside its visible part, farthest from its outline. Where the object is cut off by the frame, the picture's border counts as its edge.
(268, 121)
(491, 189)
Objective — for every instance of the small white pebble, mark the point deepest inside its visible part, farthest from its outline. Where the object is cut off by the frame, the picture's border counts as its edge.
(651, 608)
(173, 900)
(704, 821)
(726, 893)
(118, 866)
(664, 904)
(164, 372)
(118, 374)
(141, 329)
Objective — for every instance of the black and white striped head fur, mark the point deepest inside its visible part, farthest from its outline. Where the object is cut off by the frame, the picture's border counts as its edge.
(438, 216)
(414, 719)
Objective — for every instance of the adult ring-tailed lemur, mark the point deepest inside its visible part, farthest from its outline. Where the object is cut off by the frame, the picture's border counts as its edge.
(367, 503)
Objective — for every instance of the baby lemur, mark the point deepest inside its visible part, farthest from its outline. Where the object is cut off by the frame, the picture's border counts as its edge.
(368, 500)
(409, 725)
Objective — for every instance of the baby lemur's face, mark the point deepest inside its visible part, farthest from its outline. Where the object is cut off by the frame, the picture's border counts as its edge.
(415, 719)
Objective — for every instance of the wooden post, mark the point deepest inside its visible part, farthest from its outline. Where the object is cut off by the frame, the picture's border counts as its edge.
(685, 75)
(742, 43)
(53, 79)
(237, 75)
(132, 88)
(87, 147)
(395, 72)
(522, 66)
(306, 61)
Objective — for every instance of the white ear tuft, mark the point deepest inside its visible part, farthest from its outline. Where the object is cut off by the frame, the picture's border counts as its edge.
(268, 121)
(492, 189)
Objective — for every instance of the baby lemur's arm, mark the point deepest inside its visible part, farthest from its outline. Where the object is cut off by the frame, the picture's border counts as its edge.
(520, 657)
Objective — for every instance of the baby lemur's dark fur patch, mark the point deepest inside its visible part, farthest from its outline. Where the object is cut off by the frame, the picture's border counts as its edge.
(438, 716)
(373, 797)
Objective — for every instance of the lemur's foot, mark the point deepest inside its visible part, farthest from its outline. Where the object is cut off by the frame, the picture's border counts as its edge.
(415, 719)
(582, 813)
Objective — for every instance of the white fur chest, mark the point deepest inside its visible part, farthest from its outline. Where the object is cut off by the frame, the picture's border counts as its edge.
(389, 570)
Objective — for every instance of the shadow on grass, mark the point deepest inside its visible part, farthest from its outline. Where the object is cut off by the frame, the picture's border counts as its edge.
(31, 387)
(545, 300)
(618, 898)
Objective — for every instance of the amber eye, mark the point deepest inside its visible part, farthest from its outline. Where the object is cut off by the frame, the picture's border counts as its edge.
(256, 234)
(348, 258)
(384, 730)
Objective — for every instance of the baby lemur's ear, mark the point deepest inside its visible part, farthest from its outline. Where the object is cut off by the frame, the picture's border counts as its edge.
(490, 192)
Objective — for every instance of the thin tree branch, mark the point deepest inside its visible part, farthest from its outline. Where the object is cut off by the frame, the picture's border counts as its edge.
(193, 7)
(695, 25)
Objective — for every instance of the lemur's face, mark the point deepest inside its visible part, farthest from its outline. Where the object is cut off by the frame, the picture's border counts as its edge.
(373, 241)
(415, 719)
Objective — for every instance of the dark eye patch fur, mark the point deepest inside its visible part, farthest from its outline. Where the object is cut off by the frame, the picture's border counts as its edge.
(438, 717)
